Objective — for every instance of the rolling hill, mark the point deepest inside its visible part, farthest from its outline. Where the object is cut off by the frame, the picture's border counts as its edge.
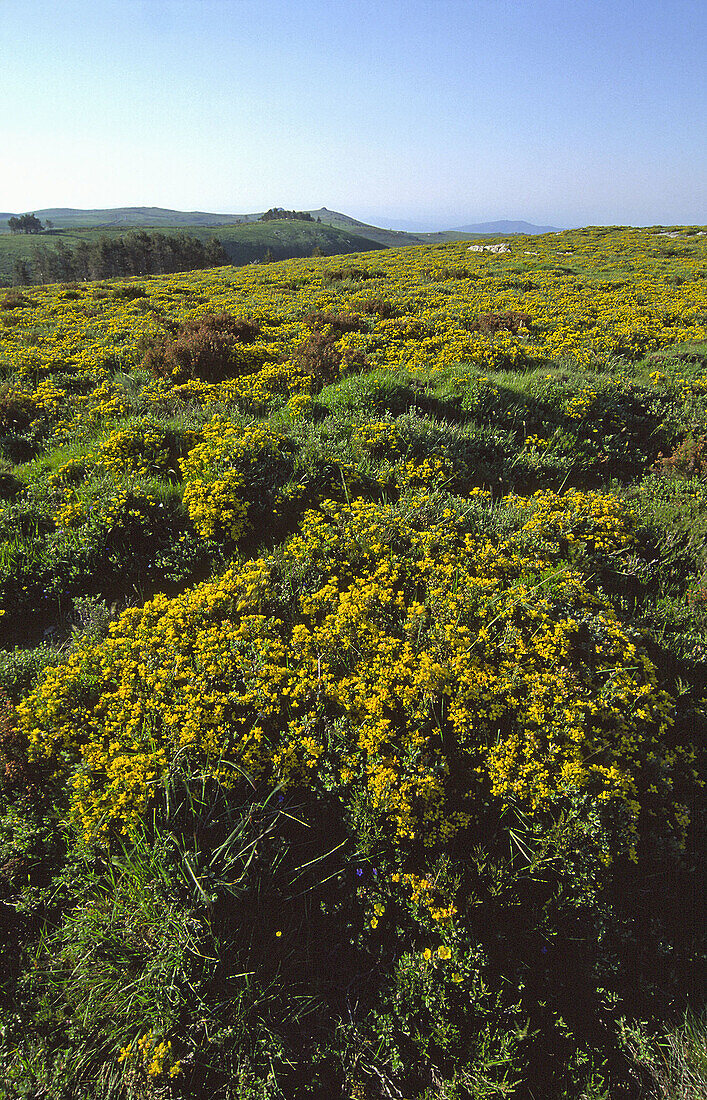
(245, 238)
(131, 217)
(245, 243)
(157, 217)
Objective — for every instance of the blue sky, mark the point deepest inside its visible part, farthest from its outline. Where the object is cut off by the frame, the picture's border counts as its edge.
(400, 112)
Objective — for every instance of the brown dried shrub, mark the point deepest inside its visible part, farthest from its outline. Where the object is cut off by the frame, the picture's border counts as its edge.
(201, 348)
(323, 361)
(336, 323)
(510, 321)
(15, 299)
(689, 459)
(379, 306)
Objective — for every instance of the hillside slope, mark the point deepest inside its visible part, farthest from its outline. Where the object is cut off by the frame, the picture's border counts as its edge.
(391, 238)
(248, 243)
(128, 217)
(157, 217)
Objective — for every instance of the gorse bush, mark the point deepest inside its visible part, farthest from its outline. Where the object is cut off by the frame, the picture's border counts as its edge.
(353, 697)
(232, 478)
(403, 626)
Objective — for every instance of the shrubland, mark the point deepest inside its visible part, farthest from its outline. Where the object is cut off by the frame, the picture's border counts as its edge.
(353, 693)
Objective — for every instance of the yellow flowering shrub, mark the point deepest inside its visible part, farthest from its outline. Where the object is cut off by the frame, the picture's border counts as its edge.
(438, 301)
(415, 731)
(105, 402)
(72, 513)
(598, 520)
(378, 438)
(454, 667)
(300, 405)
(137, 449)
(69, 473)
(230, 475)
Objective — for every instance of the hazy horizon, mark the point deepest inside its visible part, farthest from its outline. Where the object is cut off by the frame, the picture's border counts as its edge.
(429, 226)
(408, 114)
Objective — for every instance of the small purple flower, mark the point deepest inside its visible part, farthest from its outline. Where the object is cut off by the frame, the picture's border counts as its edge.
(359, 871)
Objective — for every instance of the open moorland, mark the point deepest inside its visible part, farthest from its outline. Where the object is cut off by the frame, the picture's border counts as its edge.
(352, 689)
(156, 217)
(98, 252)
(145, 240)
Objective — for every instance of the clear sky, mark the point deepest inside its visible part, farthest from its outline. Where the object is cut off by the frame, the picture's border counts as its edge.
(425, 113)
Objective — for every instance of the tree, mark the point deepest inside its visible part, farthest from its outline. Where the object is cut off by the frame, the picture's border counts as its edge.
(30, 223)
(82, 259)
(278, 213)
(64, 261)
(26, 223)
(21, 273)
(216, 255)
(45, 267)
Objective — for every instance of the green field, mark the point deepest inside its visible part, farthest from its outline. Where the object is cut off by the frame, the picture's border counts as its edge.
(243, 244)
(288, 238)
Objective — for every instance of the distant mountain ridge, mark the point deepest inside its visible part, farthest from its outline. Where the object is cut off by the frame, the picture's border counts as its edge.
(524, 228)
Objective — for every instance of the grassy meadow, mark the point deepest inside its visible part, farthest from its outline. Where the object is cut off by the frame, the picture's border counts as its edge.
(242, 244)
(352, 680)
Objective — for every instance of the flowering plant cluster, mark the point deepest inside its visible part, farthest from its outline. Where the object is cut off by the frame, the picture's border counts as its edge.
(453, 668)
(231, 475)
(352, 690)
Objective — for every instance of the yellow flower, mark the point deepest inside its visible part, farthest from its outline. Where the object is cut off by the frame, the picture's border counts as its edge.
(444, 952)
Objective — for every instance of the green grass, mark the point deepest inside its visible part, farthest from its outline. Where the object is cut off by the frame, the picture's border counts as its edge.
(283, 239)
(276, 240)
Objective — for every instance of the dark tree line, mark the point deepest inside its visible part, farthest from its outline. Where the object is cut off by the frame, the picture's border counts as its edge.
(278, 213)
(26, 223)
(138, 253)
